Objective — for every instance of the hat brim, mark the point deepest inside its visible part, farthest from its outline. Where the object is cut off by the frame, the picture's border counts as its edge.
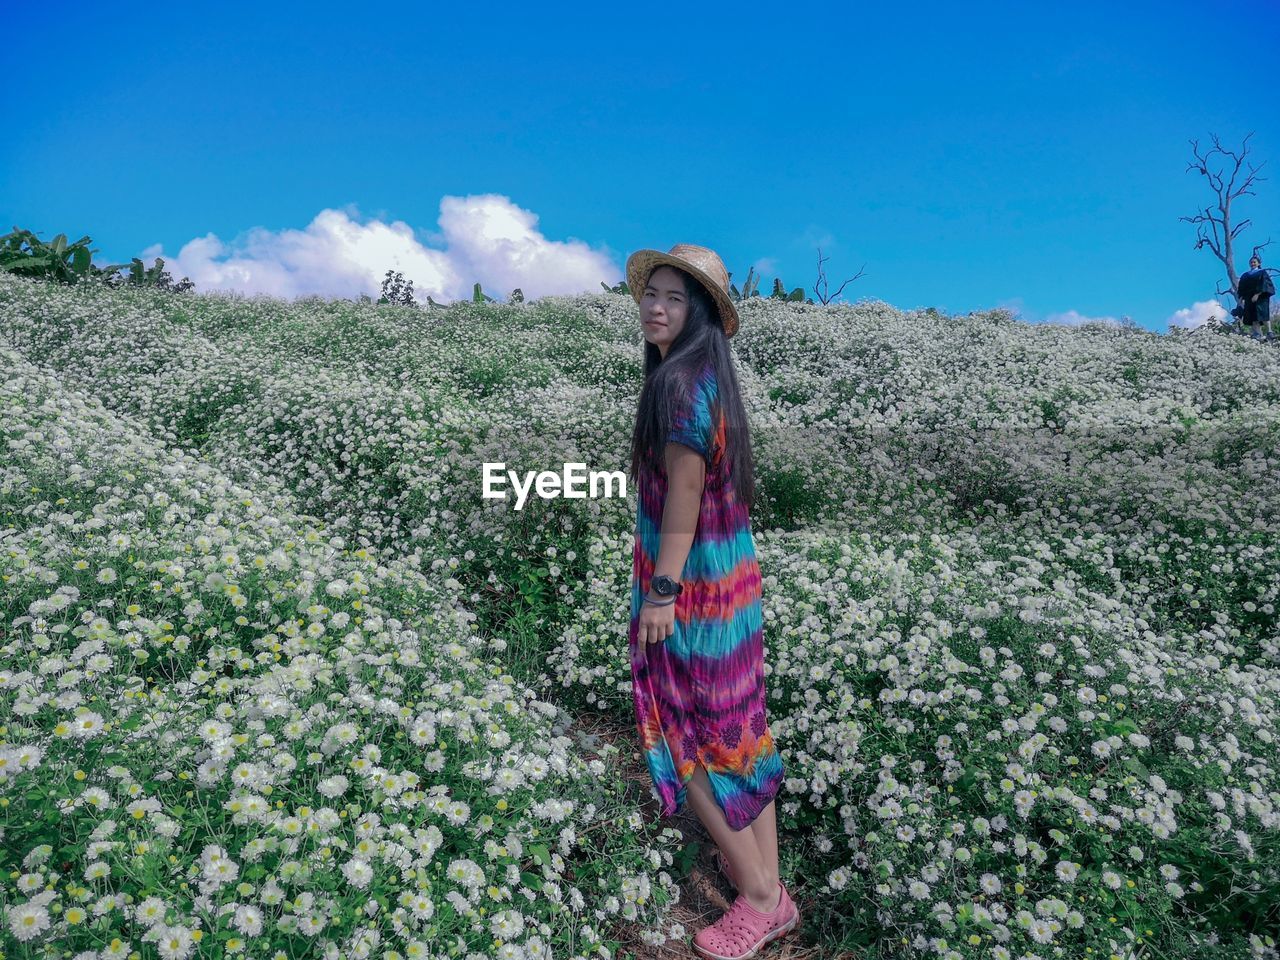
(642, 263)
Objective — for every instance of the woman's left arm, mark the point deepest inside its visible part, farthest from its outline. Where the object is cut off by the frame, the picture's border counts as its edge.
(686, 475)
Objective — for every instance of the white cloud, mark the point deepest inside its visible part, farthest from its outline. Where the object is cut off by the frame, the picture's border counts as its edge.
(1014, 305)
(1072, 318)
(765, 266)
(485, 237)
(1198, 314)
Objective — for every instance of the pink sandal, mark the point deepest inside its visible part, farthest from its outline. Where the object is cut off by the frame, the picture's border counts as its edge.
(743, 931)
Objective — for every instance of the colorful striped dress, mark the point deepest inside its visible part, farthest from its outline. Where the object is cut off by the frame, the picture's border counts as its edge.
(700, 694)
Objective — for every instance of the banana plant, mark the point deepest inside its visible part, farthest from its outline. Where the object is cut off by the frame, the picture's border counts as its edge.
(23, 253)
(142, 275)
(780, 292)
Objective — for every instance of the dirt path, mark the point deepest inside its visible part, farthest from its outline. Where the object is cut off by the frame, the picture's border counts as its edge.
(704, 894)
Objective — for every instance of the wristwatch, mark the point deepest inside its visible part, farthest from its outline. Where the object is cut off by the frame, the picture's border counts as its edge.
(664, 586)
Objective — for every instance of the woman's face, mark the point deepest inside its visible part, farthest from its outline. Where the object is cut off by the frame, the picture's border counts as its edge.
(1254, 263)
(664, 307)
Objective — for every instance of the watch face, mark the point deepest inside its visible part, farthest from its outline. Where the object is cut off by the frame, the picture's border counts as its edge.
(664, 586)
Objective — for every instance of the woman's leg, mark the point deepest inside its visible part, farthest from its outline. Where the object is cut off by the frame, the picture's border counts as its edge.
(765, 828)
(757, 880)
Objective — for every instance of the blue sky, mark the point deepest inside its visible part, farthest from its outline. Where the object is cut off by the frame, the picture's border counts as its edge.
(971, 156)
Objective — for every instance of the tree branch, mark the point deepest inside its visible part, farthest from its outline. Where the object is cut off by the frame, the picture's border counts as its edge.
(1213, 165)
(821, 282)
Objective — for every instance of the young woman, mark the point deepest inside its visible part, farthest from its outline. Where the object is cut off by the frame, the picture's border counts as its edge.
(696, 637)
(1255, 291)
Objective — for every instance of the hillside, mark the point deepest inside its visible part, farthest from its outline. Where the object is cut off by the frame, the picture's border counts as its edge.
(274, 673)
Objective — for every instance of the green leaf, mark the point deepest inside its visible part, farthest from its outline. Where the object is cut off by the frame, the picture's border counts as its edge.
(541, 854)
(24, 263)
(1136, 767)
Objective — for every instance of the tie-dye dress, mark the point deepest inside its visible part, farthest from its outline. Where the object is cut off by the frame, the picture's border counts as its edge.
(700, 694)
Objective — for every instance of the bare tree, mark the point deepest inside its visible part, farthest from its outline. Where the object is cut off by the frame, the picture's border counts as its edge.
(820, 288)
(1222, 168)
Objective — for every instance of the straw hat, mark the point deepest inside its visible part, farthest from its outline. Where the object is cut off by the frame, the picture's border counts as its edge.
(703, 264)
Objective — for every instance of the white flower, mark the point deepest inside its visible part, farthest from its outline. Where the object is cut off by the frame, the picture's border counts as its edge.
(358, 872)
(150, 911)
(97, 870)
(28, 920)
(1067, 871)
(507, 924)
(219, 869)
(1041, 931)
(333, 787)
(30, 882)
(990, 883)
(174, 943)
(422, 906)
(310, 926)
(87, 725)
(248, 920)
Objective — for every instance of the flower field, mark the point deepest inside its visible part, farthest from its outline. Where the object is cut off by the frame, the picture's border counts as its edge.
(275, 680)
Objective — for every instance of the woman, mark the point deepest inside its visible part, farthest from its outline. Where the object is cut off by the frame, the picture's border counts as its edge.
(1254, 293)
(696, 633)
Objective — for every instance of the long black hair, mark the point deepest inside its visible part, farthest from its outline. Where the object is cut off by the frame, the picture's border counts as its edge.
(701, 340)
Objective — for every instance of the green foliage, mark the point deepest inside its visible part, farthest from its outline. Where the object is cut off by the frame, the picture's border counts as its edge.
(479, 296)
(617, 288)
(140, 275)
(517, 296)
(396, 290)
(780, 293)
(22, 252)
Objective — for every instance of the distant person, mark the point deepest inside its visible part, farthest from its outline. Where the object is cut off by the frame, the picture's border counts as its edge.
(1254, 293)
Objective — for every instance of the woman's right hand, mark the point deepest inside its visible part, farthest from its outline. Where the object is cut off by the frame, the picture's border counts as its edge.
(655, 625)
